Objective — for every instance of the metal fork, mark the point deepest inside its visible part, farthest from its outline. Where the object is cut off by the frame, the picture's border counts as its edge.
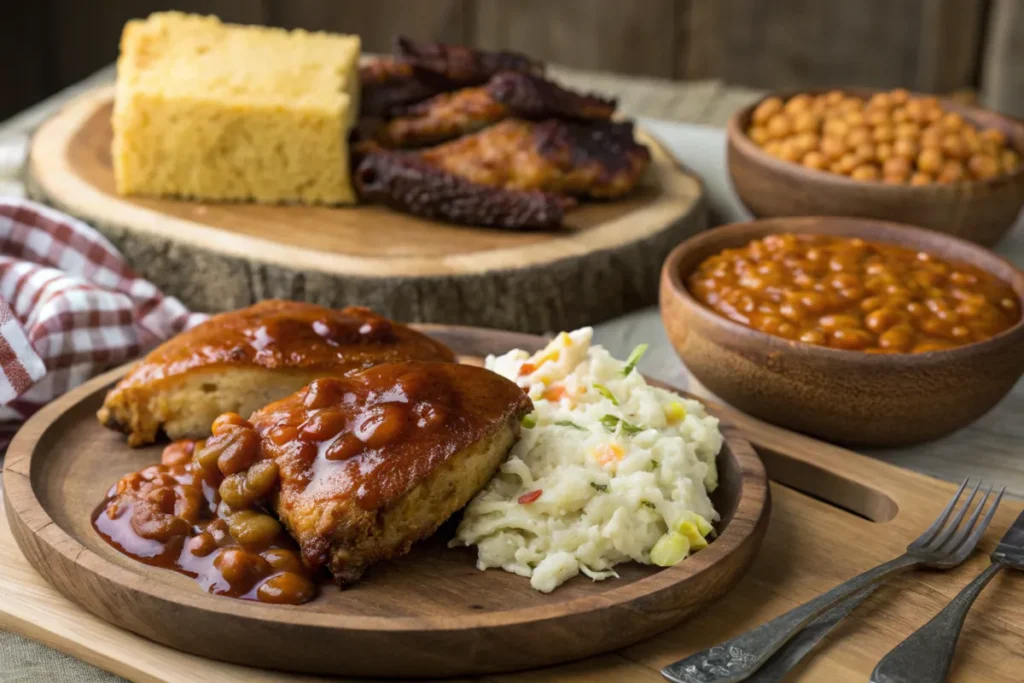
(945, 544)
(925, 656)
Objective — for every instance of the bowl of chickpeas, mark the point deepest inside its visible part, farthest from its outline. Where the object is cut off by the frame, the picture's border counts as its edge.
(857, 331)
(891, 155)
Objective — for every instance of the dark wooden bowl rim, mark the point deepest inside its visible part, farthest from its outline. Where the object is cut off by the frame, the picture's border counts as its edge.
(985, 118)
(845, 227)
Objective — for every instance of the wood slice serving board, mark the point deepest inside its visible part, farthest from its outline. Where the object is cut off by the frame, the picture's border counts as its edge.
(834, 514)
(215, 257)
(431, 613)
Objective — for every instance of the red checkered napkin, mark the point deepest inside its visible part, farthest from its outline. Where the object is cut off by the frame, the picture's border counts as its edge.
(70, 307)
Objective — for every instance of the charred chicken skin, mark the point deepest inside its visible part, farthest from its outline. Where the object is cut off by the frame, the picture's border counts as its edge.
(418, 70)
(387, 84)
(242, 360)
(457, 66)
(371, 463)
(516, 174)
(506, 95)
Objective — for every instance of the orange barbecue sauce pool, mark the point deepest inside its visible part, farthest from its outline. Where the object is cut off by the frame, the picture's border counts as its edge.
(847, 293)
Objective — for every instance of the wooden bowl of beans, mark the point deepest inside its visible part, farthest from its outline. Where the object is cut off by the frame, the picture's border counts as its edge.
(858, 331)
(890, 155)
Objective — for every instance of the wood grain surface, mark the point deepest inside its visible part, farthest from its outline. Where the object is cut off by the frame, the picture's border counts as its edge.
(927, 44)
(429, 614)
(834, 513)
(224, 256)
(1003, 66)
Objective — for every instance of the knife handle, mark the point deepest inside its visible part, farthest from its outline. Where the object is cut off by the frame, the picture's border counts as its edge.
(925, 656)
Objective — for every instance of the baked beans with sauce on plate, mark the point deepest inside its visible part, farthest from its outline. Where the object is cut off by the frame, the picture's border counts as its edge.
(851, 294)
(201, 512)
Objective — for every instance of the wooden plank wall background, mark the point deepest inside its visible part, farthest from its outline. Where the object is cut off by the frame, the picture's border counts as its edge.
(930, 45)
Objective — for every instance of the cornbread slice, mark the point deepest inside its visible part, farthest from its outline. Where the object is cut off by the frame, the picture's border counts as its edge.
(221, 111)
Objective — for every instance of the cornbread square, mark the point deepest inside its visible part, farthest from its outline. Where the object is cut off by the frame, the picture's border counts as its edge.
(221, 111)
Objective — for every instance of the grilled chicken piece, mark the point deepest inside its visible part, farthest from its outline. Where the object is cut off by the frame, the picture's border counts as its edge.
(419, 70)
(371, 463)
(511, 175)
(387, 84)
(240, 361)
(506, 95)
(456, 66)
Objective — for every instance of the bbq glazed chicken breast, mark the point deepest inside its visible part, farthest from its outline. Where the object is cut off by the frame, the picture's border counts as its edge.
(371, 463)
(242, 360)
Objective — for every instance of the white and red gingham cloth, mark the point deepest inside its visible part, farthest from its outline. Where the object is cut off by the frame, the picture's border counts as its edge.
(70, 307)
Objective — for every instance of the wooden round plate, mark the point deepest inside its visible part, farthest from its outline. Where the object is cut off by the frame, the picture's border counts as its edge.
(222, 256)
(431, 613)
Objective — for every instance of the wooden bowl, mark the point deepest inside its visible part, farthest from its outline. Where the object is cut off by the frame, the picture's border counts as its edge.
(429, 614)
(980, 211)
(846, 397)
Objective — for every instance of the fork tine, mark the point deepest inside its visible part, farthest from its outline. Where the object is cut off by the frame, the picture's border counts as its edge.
(930, 532)
(954, 540)
(948, 530)
(972, 541)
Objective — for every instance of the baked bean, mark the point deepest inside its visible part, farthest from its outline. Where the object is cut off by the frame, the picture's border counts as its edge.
(241, 568)
(344, 447)
(206, 459)
(261, 478)
(188, 503)
(282, 560)
(228, 422)
(850, 338)
(323, 425)
(322, 393)
(202, 545)
(253, 528)
(932, 326)
(161, 496)
(218, 528)
(872, 303)
(898, 338)
(287, 588)
(239, 449)
(283, 434)
(960, 333)
(178, 453)
(150, 522)
(835, 322)
(882, 319)
(384, 422)
(814, 337)
(233, 492)
(854, 295)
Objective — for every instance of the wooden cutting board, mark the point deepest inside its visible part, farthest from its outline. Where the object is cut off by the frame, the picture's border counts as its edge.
(834, 513)
(215, 257)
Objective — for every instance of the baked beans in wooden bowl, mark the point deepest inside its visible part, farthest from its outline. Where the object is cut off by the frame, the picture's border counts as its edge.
(890, 155)
(860, 332)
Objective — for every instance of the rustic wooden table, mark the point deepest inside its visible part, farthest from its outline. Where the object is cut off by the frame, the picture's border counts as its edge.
(688, 117)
